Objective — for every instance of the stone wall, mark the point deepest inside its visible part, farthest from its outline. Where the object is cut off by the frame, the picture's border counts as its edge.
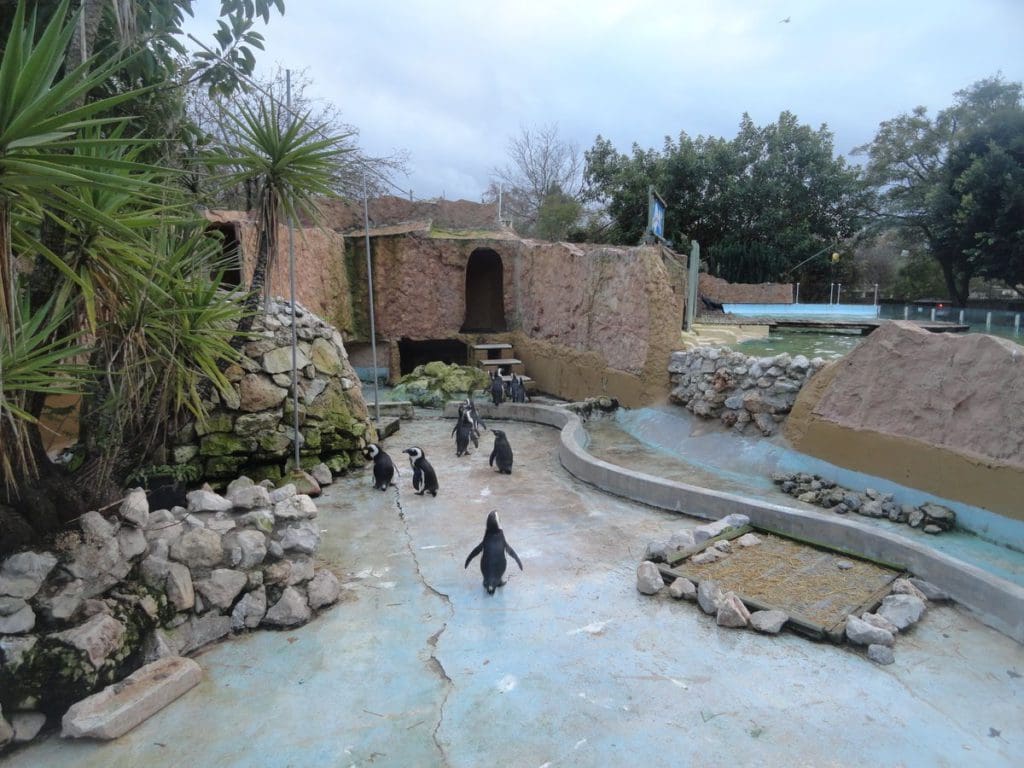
(940, 412)
(740, 391)
(249, 431)
(725, 292)
(139, 586)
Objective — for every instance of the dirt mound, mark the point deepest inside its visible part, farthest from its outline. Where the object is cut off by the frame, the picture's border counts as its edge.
(345, 216)
(938, 412)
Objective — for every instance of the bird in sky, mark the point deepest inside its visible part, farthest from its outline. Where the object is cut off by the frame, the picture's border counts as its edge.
(785, 20)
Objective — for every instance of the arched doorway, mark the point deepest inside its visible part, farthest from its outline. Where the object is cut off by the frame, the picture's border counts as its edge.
(485, 294)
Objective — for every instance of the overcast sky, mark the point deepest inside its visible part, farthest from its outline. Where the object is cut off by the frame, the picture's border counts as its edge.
(450, 81)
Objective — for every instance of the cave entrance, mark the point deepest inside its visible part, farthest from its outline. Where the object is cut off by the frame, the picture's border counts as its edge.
(231, 254)
(485, 293)
(413, 353)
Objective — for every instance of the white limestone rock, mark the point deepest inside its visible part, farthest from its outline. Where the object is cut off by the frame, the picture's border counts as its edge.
(120, 707)
(16, 616)
(98, 637)
(6, 731)
(860, 632)
(261, 519)
(250, 610)
(881, 654)
(907, 587)
(252, 497)
(708, 596)
(221, 587)
(902, 610)
(238, 484)
(682, 589)
(290, 610)
(302, 570)
(748, 540)
(198, 631)
(768, 622)
(648, 578)
(61, 605)
(132, 542)
(13, 649)
(709, 555)
(134, 509)
(297, 507)
(323, 590)
(96, 526)
(655, 551)
(206, 501)
(246, 549)
(27, 725)
(280, 494)
(23, 574)
(304, 537)
(732, 612)
(929, 590)
(198, 548)
(322, 474)
(156, 646)
(879, 621)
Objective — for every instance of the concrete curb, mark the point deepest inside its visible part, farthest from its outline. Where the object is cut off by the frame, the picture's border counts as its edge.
(995, 601)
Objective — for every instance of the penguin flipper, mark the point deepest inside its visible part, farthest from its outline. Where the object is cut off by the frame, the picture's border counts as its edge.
(491, 462)
(476, 551)
(515, 557)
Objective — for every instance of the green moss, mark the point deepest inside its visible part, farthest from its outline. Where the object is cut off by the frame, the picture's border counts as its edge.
(216, 422)
(224, 444)
(435, 383)
(258, 472)
(224, 466)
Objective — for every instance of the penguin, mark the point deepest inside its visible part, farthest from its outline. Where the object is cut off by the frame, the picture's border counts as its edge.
(463, 432)
(474, 416)
(424, 479)
(492, 561)
(502, 453)
(497, 389)
(383, 467)
(518, 390)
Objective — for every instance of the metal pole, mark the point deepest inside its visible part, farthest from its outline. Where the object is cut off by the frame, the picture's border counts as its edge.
(876, 301)
(693, 277)
(797, 300)
(839, 292)
(369, 282)
(988, 321)
(906, 312)
(291, 286)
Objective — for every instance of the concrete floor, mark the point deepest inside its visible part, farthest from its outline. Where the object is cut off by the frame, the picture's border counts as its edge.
(568, 665)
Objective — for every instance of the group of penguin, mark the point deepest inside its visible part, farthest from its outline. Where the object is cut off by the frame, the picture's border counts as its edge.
(424, 480)
(513, 390)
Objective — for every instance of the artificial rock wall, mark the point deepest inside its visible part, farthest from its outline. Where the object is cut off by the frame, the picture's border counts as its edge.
(725, 292)
(940, 412)
(249, 431)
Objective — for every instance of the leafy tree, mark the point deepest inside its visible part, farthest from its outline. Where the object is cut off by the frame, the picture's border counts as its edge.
(907, 166)
(758, 204)
(542, 168)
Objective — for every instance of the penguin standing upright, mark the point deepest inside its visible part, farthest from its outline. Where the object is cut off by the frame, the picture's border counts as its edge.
(474, 417)
(463, 432)
(383, 467)
(502, 453)
(424, 479)
(518, 390)
(493, 549)
(497, 388)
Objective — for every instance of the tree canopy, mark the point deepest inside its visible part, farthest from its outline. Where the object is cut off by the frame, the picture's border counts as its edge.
(759, 203)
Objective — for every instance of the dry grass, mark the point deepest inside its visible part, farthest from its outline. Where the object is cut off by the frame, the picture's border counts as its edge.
(803, 581)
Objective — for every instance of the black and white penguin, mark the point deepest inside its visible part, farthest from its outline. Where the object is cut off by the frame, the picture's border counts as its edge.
(518, 390)
(493, 549)
(502, 453)
(497, 388)
(424, 479)
(463, 432)
(383, 467)
(474, 416)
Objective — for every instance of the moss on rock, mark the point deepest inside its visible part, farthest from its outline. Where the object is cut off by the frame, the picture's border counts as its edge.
(433, 384)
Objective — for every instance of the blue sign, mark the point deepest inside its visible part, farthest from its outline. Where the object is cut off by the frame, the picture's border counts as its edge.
(656, 215)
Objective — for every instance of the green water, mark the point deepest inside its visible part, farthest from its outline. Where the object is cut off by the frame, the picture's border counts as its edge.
(829, 346)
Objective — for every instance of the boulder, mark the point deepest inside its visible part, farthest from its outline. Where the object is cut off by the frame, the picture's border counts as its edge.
(302, 570)
(304, 482)
(261, 519)
(241, 482)
(206, 501)
(322, 474)
(648, 578)
(198, 631)
(61, 605)
(880, 621)
(289, 611)
(6, 731)
(246, 549)
(901, 610)
(709, 555)
(732, 612)
(198, 548)
(298, 507)
(881, 654)
(134, 509)
(304, 537)
(250, 610)
(280, 494)
(120, 707)
(132, 542)
(96, 526)
(16, 616)
(221, 587)
(748, 540)
(99, 564)
(656, 551)
(13, 649)
(860, 632)
(929, 590)
(323, 590)
(768, 622)
(682, 589)
(22, 575)
(27, 726)
(258, 393)
(179, 587)
(253, 497)
(906, 587)
(98, 637)
(708, 595)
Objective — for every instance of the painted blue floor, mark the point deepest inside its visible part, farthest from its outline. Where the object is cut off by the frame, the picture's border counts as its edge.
(567, 665)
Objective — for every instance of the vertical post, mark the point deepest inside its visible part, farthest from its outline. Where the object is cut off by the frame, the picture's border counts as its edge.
(291, 286)
(933, 314)
(877, 308)
(1016, 324)
(369, 281)
(797, 300)
(839, 291)
(500, 191)
(691, 286)
(906, 312)
(988, 321)
(961, 317)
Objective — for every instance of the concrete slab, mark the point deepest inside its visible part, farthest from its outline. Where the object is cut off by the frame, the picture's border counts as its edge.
(566, 665)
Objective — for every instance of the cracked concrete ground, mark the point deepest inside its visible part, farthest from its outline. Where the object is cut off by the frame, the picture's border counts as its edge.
(567, 665)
